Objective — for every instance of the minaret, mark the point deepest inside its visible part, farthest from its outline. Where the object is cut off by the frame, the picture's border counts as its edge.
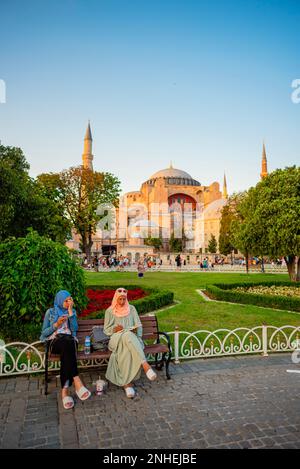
(87, 157)
(225, 193)
(264, 166)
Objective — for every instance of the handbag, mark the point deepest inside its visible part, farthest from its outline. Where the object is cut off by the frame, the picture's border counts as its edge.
(99, 340)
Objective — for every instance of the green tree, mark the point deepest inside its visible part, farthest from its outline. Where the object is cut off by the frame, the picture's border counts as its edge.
(212, 244)
(155, 242)
(80, 191)
(175, 244)
(239, 235)
(225, 238)
(270, 218)
(22, 203)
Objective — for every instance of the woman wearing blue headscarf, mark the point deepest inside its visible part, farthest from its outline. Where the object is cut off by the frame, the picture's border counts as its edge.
(60, 328)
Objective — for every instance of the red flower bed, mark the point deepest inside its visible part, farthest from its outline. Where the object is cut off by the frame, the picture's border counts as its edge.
(101, 299)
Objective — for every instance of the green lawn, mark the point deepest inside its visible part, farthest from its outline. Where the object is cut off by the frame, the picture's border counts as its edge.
(193, 313)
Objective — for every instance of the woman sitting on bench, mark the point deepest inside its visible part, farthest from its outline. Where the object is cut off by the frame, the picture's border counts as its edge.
(123, 325)
(59, 330)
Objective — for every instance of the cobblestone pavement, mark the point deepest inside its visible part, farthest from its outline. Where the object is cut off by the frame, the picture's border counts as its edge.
(245, 402)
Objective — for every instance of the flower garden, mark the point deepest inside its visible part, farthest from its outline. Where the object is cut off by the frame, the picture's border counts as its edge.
(99, 300)
(144, 299)
(273, 290)
(275, 294)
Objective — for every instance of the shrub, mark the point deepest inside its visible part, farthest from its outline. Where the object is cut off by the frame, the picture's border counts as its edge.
(32, 270)
(226, 292)
(20, 332)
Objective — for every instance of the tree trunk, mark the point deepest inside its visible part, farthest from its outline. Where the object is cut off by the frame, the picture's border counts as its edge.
(87, 246)
(90, 244)
(247, 262)
(291, 263)
(298, 270)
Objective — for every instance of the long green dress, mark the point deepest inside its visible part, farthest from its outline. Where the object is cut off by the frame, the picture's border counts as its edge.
(127, 347)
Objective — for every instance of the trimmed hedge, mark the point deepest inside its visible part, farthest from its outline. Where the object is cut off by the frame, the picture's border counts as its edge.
(156, 299)
(223, 292)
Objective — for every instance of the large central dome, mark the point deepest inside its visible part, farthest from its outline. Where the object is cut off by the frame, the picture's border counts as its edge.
(173, 176)
(171, 173)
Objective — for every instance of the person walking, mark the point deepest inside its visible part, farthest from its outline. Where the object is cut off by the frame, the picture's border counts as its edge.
(141, 268)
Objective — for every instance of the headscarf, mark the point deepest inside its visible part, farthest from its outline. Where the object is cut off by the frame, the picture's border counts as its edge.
(118, 310)
(59, 300)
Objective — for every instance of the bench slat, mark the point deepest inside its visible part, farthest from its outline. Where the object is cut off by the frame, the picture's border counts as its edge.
(150, 330)
(149, 325)
(100, 322)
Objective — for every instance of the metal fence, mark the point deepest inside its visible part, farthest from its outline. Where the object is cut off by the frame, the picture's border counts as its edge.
(18, 358)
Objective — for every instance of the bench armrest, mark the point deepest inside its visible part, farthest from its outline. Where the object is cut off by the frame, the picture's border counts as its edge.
(167, 337)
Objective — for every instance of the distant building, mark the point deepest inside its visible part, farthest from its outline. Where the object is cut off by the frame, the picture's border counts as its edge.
(167, 196)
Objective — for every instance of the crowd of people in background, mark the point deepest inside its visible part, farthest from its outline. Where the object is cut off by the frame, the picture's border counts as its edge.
(120, 263)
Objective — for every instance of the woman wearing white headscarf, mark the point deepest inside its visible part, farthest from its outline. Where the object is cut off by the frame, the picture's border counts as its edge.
(123, 325)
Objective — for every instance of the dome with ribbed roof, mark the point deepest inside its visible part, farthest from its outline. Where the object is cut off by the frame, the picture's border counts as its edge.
(174, 176)
(171, 173)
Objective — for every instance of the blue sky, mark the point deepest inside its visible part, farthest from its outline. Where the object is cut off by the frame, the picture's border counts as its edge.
(201, 83)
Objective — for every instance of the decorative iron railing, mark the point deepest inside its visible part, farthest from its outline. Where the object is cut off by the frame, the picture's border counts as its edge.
(224, 342)
(18, 358)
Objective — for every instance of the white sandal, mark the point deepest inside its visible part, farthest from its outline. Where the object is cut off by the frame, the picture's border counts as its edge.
(68, 402)
(83, 390)
(151, 374)
(130, 392)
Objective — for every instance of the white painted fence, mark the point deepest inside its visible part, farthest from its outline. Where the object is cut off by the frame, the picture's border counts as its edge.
(19, 358)
(241, 341)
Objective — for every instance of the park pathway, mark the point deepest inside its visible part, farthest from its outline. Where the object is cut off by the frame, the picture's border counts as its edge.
(240, 402)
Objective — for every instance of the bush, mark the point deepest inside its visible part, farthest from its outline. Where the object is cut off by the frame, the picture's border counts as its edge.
(155, 299)
(223, 292)
(20, 332)
(32, 270)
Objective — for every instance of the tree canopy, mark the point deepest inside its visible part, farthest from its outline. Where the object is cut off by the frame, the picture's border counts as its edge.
(80, 191)
(212, 244)
(269, 217)
(23, 204)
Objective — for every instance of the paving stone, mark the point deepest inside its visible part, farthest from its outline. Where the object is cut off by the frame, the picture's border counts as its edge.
(245, 402)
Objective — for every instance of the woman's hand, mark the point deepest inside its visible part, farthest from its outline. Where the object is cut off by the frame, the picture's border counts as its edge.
(70, 306)
(118, 328)
(60, 321)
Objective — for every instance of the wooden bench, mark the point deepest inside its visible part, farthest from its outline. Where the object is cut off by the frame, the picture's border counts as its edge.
(150, 332)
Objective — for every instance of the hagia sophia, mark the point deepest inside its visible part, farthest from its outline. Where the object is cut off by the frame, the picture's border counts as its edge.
(170, 191)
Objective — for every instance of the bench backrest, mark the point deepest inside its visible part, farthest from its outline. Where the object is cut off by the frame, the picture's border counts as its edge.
(149, 324)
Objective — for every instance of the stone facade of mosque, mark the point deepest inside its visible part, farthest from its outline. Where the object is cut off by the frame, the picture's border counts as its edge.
(168, 197)
(170, 201)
